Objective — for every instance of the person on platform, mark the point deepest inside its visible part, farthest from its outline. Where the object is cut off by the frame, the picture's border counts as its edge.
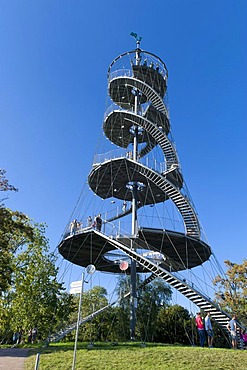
(124, 206)
(98, 222)
(73, 227)
(89, 221)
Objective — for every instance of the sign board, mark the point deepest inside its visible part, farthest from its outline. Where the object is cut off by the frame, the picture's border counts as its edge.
(76, 284)
(76, 290)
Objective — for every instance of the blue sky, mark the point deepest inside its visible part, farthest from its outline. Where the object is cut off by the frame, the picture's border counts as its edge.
(53, 85)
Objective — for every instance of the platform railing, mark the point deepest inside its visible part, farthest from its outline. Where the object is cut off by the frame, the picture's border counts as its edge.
(110, 229)
(124, 72)
(149, 162)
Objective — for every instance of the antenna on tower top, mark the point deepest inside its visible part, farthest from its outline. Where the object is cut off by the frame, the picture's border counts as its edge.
(137, 38)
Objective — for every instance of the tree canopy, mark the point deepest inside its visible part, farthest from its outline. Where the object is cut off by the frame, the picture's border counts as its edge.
(232, 289)
(30, 295)
(15, 230)
(34, 298)
(174, 324)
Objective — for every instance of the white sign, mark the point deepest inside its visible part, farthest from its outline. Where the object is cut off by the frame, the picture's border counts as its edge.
(75, 290)
(76, 284)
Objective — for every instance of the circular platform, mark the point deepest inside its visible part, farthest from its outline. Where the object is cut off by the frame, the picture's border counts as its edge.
(90, 247)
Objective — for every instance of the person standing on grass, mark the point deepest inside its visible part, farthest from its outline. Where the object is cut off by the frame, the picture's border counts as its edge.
(232, 327)
(209, 330)
(241, 336)
(245, 338)
(200, 329)
(34, 335)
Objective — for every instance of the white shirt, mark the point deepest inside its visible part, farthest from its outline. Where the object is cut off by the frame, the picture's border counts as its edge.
(208, 325)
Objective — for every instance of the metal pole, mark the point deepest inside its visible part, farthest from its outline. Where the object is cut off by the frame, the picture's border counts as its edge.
(78, 322)
(133, 299)
(37, 361)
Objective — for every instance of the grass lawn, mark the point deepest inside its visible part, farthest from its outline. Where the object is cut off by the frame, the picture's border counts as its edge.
(132, 356)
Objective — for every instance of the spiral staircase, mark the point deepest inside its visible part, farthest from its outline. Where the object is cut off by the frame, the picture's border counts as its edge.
(137, 121)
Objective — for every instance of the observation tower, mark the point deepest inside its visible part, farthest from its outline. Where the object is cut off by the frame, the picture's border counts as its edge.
(140, 174)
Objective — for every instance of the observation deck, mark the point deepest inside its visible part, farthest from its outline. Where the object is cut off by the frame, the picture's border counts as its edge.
(89, 246)
(137, 121)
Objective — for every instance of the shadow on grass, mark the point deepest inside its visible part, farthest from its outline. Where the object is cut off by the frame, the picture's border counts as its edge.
(98, 346)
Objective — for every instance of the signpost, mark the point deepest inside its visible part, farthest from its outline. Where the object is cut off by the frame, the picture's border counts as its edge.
(76, 287)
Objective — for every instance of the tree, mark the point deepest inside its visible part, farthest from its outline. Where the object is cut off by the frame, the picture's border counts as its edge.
(232, 289)
(30, 294)
(174, 324)
(151, 298)
(5, 185)
(15, 230)
(35, 296)
(98, 328)
(93, 300)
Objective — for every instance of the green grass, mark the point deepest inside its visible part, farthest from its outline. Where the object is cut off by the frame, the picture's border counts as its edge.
(132, 356)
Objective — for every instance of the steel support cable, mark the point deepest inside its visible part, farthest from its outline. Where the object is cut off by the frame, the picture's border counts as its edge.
(66, 269)
(204, 280)
(196, 252)
(79, 205)
(170, 190)
(206, 271)
(55, 308)
(198, 280)
(210, 278)
(164, 234)
(217, 269)
(146, 322)
(153, 248)
(161, 272)
(151, 89)
(150, 94)
(81, 245)
(222, 272)
(177, 252)
(187, 254)
(160, 138)
(137, 123)
(70, 328)
(101, 180)
(70, 243)
(66, 227)
(164, 203)
(82, 205)
(113, 177)
(161, 218)
(171, 242)
(175, 249)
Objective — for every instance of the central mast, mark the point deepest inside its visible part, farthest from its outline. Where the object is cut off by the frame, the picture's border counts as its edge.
(134, 185)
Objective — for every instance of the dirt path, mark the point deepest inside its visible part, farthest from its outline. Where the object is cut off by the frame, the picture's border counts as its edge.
(12, 358)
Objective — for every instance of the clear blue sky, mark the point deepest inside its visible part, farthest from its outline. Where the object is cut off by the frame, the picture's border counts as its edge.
(53, 85)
